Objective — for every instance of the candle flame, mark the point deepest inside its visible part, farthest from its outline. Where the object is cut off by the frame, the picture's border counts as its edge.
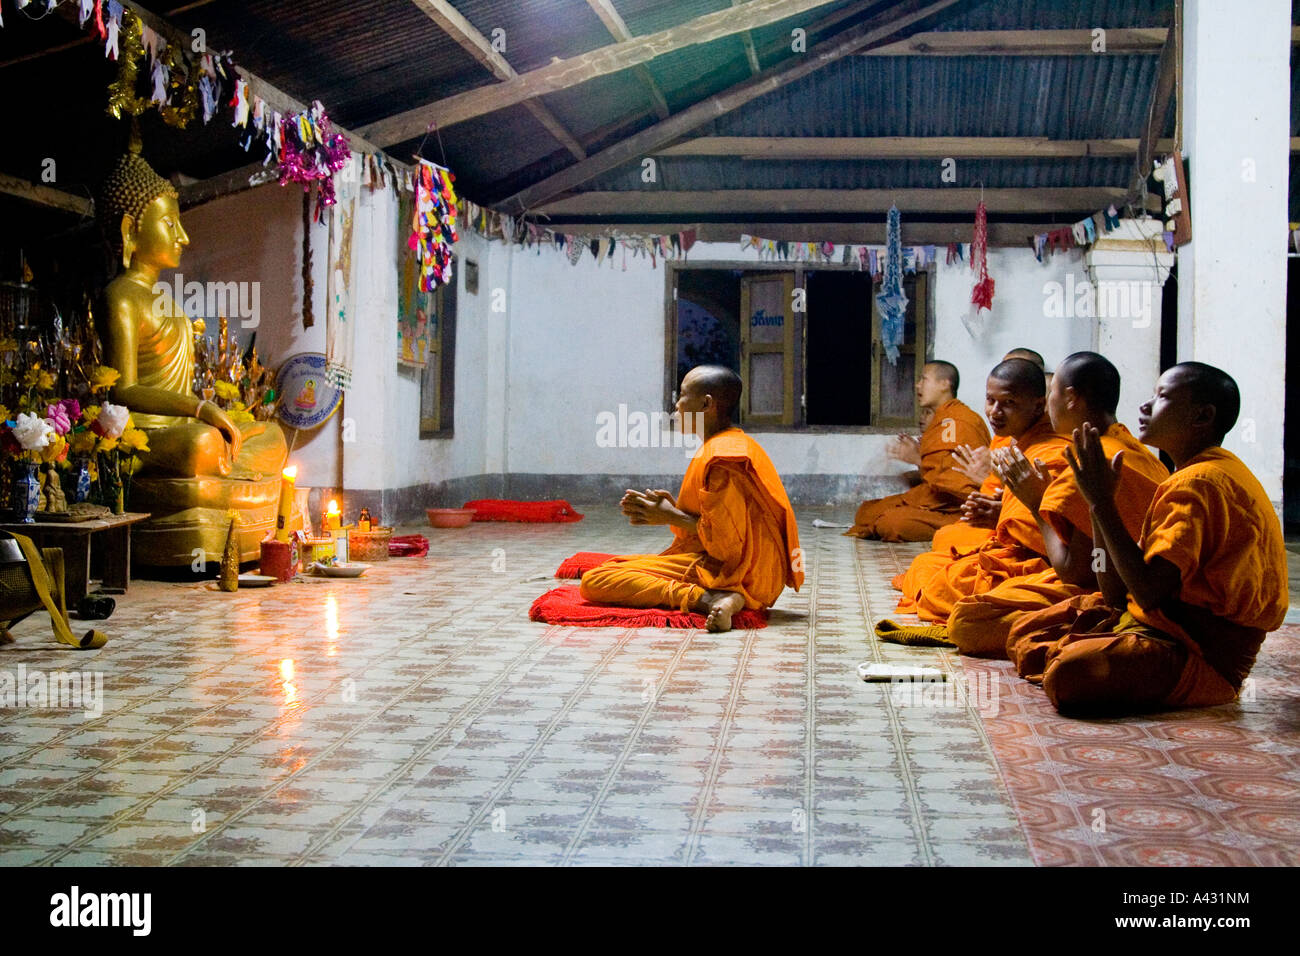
(333, 507)
(291, 472)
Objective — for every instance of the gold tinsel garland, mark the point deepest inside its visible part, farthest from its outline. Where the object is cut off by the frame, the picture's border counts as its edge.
(182, 83)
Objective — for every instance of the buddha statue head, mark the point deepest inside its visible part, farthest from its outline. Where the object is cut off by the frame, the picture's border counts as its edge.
(140, 214)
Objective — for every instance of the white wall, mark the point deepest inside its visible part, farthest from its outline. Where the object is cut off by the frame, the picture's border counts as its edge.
(586, 338)
(1232, 275)
(257, 236)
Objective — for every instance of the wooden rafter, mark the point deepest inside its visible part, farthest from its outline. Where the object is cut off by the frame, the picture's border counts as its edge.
(901, 147)
(454, 24)
(563, 74)
(619, 31)
(937, 233)
(226, 184)
(45, 195)
(747, 38)
(1024, 43)
(1166, 75)
(1148, 40)
(773, 202)
(844, 44)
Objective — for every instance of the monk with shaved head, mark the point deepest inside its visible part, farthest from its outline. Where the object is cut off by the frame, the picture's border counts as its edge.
(735, 541)
(1182, 610)
(939, 488)
(979, 512)
(1015, 403)
(1085, 390)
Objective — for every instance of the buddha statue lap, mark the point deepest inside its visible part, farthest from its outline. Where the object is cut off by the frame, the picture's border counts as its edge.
(200, 465)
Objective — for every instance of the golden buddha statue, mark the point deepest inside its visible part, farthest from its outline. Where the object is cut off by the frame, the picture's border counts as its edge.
(200, 463)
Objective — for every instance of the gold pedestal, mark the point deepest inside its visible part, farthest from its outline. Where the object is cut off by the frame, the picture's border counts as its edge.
(192, 514)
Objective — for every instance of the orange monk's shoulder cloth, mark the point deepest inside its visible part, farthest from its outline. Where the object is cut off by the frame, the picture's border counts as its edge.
(1212, 519)
(747, 526)
(942, 486)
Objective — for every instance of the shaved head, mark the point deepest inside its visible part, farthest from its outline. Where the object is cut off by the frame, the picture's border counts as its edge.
(1208, 385)
(1094, 379)
(1021, 375)
(721, 383)
(945, 372)
(1028, 355)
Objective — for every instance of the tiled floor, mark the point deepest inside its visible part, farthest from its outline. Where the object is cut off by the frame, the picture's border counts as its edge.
(417, 717)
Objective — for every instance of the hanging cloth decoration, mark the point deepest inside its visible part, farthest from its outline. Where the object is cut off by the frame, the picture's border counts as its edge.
(311, 152)
(892, 301)
(981, 295)
(340, 317)
(433, 224)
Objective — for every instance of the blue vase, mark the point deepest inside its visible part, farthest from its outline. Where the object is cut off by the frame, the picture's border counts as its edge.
(26, 491)
(81, 491)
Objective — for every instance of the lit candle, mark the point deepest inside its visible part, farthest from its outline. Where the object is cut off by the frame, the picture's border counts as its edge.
(333, 517)
(286, 503)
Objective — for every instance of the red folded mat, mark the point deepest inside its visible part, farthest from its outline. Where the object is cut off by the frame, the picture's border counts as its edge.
(493, 509)
(580, 563)
(408, 546)
(566, 606)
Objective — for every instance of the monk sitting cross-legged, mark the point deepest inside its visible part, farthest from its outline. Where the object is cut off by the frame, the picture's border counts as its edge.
(1084, 390)
(939, 487)
(935, 581)
(735, 541)
(1182, 614)
(979, 512)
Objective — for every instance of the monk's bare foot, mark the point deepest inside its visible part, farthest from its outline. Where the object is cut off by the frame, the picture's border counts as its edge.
(721, 606)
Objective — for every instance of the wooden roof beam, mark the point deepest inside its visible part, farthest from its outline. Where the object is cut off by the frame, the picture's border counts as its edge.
(747, 38)
(46, 196)
(454, 24)
(901, 147)
(711, 202)
(563, 74)
(1145, 40)
(619, 31)
(850, 41)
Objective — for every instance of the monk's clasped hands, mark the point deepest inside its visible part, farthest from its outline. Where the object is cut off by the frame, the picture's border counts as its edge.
(652, 506)
(1096, 476)
(981, 511)
(975, 463)
(1027, 482)
(905, 448)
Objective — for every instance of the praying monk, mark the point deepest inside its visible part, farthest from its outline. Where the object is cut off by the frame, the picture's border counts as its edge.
(1183, 611)
(1016, 400)
(979, 512)
(735, 541)
(1084, 391)
(939, 488)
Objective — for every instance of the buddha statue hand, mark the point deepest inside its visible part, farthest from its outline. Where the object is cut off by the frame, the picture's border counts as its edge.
(210, 414)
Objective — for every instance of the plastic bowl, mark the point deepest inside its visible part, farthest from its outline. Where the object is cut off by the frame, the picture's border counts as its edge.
(450, 517)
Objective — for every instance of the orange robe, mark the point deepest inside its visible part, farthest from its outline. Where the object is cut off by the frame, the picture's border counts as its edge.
(1214, 522)
(960, 536)
(746, 539)
(917, 513)
(935, 582)
(979, 623)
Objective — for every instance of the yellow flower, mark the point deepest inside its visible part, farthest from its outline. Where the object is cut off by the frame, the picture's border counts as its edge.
(227, 391)
(89, 414)
(7, 376)
(82, 442)
(55, 450)
(104, 378)
(135, 441)
(239, 415)
(107, 444)
(4, 414)
(36, 377)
